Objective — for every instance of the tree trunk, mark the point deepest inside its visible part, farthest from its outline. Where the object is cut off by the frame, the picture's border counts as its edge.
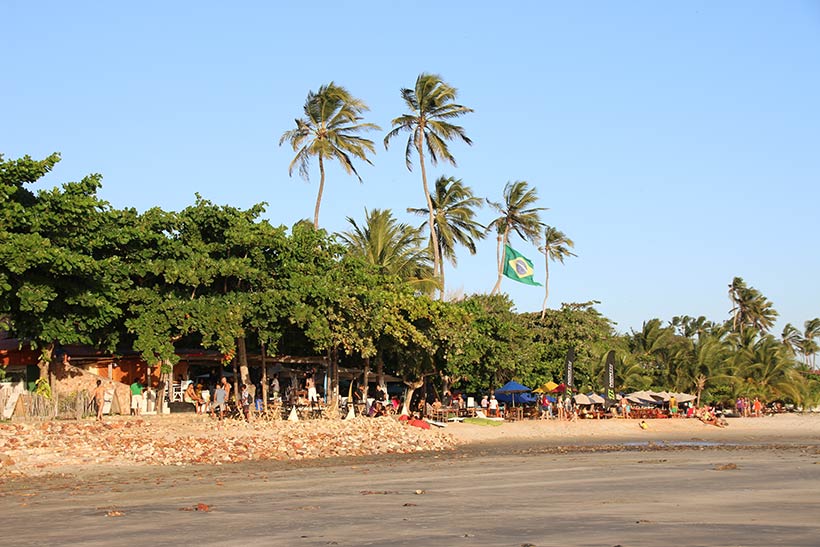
(408, 395)
(44, 363)
(441, 274)
(431, 220)
(365, 377)
(321, 190)
(446, 382)
(242, 353)
(380, 367)
(235, 390)
(165, 372)
(264, 380)
(333, 377)
(499, 253)
(546, 284)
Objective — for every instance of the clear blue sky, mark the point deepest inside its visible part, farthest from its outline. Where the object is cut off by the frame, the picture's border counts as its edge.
(675, 142)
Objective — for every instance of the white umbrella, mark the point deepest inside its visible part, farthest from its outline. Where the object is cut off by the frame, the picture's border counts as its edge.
(684, 397)
(596, 399)
(582, 399)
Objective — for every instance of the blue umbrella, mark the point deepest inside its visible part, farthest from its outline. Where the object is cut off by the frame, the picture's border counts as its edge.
(513, 387)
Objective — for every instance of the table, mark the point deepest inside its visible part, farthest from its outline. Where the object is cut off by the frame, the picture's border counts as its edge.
(514, 413)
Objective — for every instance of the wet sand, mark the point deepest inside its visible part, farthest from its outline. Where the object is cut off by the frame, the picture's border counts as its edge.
(753, 487)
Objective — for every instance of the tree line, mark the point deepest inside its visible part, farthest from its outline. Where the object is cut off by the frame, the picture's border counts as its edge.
(75, 270)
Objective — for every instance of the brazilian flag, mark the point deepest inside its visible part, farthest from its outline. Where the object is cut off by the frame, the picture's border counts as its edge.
(518, 267)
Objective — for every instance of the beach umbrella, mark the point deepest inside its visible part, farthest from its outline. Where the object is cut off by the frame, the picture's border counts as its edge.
(512, 387)
(684, 397)
(642, 397)
(546, 388)
(582, 399)
(596, 399)
(560, 388)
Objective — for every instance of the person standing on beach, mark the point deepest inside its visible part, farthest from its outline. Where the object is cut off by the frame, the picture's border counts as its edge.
(227, 387)
(220, 396)
(136, 398)
(757, 406)
(245, 401)
(99, 399)
(274, 386)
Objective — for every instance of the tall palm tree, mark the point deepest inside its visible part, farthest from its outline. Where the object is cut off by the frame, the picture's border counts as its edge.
(396, 248)
(808, 343)
(431, 105)
(750, 308)
(519, 215)
(556, 247)
(791, 338)
(329, 131)
(454, 208)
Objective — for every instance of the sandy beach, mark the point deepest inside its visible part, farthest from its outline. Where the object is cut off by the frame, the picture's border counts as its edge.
(536, 484)
(781, 428)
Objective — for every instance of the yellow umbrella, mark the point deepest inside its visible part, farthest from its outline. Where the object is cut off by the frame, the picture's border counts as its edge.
(546, 388)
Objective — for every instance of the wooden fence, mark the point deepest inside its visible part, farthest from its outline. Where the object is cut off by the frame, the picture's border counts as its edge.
(30, 406)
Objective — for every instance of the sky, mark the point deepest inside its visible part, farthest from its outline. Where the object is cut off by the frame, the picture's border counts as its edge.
(675, 142)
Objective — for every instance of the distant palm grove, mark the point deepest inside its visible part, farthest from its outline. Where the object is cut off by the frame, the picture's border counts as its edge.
(74, 270)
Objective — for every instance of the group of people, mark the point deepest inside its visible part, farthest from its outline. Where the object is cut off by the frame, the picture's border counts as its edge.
(104, 393)
(376, 403)
(747, 408)
(218, 404)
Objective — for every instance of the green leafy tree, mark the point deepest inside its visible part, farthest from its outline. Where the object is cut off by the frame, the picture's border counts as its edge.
(57, 278)
(556, 247)
(454, 209)
(329, 130)
(518, 214)
(431, 106)
(575, 325)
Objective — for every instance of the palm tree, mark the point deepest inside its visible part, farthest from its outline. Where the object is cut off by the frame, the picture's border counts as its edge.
(791, 338)
(808, 343)
(750, 308)
(556, 247)
(431, 105)
(396, 248)
(518, 214)
(454, 221)
(765, 368)
(329, 131)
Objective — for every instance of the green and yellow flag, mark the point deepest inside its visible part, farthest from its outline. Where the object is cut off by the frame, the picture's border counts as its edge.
(518, 267)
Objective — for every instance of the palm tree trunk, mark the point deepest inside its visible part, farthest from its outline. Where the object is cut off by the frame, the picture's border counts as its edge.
(321, 190)
(500, 256)
(441, 273)
(432, 220)
(546, 284)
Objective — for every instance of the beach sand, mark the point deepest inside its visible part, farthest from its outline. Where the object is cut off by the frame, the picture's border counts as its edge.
(535, 484)
(780, 428)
